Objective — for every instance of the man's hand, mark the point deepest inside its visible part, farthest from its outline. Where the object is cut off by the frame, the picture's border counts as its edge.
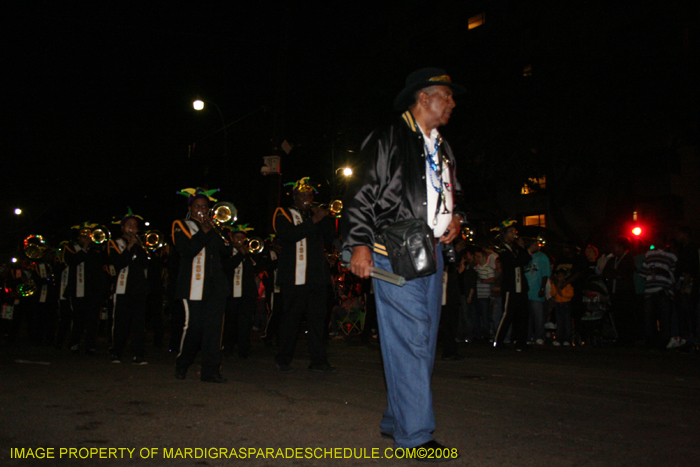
(131, 240)
(85, 242)
(319, 213)
(454, 229)
(361, 261)
(205, 222)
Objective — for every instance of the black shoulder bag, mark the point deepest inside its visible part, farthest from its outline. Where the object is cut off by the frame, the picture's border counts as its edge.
(410, 245)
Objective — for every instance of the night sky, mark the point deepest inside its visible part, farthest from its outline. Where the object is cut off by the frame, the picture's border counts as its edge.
(98, 111)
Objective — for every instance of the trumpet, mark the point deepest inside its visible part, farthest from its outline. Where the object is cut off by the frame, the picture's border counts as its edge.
(256, 245)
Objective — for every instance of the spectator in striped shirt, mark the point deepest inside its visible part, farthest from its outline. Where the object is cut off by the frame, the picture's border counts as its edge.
(658, 272)
(486, 277)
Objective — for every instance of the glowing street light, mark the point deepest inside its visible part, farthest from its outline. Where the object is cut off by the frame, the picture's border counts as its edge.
(347, 171)
(18, 211)
(198, 104)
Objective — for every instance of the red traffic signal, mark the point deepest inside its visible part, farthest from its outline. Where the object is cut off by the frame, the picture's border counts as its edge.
(637, 231)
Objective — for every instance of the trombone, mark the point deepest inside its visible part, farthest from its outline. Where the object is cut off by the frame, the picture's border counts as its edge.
(35, 247)
(223, 213)
(152, 240)
(335, 207)
(98, 235)
(256, 245)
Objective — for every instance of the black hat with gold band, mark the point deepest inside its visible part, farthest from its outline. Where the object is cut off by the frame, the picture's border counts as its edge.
(423, 78)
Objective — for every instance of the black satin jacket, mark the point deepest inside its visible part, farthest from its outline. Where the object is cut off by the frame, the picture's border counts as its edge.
(391, 187)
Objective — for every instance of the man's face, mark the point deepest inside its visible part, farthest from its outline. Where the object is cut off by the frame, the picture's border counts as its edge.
(439, 104)
(510, 234)
(131, 226)
(303, 199)
(238, 238)
(199, 209)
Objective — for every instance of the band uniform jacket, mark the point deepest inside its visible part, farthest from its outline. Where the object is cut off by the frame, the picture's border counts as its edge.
(137, 262)
(513, 256)
(250, 267)
(317, 235)
(188, 245)
(391, 187)
(93, 270)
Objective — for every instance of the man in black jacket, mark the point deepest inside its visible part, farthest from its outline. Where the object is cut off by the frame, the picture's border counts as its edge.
(202, 286)
(303, 275)
(240, 270)
(86, 286)
(514, 288)
(130, 261)
(411, 175)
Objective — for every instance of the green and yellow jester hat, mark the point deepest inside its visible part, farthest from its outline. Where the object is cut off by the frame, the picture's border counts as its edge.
(300, 186)
(129, 214)
(194, 193)
(505, 225)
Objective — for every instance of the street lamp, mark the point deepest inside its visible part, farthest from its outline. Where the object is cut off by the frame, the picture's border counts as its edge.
(198, 105)
(18, 211)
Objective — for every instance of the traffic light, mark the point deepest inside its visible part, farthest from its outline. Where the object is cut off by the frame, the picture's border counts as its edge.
(636, 231)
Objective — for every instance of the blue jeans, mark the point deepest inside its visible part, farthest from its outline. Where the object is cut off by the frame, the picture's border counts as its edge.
(408, 320)
(537, 317)
(482, 321)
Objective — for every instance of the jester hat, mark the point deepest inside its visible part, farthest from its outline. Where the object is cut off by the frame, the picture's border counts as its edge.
(194, 193)
(300, 186)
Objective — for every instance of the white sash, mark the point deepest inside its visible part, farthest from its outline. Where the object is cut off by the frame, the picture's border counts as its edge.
(300, 269)
(64, 283)
(124, 272)
(197, 279)
(80, 280)
(237, 281)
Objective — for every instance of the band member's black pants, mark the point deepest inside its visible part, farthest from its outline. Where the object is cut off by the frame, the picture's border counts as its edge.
(303, 301)
(203, 325)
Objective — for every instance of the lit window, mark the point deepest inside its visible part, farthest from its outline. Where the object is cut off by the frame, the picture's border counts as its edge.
(476, 21)
(536, 220)
(533, 185)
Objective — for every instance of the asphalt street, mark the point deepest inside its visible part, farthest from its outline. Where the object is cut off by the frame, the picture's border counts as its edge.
(584, 407)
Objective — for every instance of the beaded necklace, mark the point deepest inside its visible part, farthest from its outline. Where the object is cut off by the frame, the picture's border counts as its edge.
(436, 169)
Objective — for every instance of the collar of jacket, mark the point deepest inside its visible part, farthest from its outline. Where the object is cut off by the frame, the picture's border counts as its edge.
(410, 120)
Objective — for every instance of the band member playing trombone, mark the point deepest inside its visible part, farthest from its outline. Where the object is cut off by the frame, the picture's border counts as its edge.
(86, 285)
(240, 269)
(202, 286)
(303, 275)
(130, 262)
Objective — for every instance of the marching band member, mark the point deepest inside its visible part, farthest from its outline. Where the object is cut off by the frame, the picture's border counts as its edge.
(85, 286)
(514, 287)
(202, 286)
(303, 275)
(65, 312)
(130, 262)
(241, 304)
